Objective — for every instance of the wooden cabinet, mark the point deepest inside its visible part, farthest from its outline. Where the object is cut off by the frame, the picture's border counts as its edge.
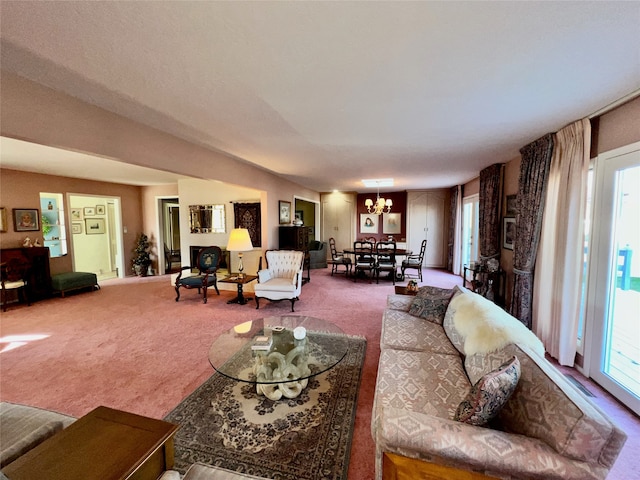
(293, 238)
(427, 217)
(40, 277)
(339, 219)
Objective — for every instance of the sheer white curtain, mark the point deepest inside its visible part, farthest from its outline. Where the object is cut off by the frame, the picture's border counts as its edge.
(559, 265)
(457, 235)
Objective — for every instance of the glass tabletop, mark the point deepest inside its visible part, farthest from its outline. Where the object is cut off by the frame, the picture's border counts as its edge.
(237, 352)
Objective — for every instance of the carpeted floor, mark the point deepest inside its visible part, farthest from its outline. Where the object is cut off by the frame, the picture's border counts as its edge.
(225, 423)
(131, 346)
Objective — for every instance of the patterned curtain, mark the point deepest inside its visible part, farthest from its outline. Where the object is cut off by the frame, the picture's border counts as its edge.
(489, 218)
(532, 187)
(452, 226)
(247, 215)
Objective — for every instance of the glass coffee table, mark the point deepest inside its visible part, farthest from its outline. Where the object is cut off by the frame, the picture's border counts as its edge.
(278, 354)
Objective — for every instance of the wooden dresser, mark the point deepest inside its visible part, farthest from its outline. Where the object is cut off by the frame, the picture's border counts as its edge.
(40, 277)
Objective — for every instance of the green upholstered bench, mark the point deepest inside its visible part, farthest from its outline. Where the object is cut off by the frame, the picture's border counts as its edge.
(64, 282)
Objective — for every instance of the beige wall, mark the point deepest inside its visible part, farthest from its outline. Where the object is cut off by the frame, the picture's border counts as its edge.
(617, 128)
(22, 190)
(32, 112)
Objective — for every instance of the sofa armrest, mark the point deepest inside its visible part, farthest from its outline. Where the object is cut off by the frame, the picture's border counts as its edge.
(399, 302)
(494, 452)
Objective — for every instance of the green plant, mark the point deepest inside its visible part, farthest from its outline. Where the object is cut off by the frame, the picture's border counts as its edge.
(141, 258)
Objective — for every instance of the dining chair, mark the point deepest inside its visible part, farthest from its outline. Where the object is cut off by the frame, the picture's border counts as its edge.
(386, 259)
(414, 261)
(15, 276)
(365, 260)
(207, 266)
(337, 259)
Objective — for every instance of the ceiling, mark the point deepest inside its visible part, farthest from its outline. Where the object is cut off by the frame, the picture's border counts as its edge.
(328, 93)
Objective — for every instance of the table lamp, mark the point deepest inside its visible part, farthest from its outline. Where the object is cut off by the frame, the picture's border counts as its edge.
(239, 241)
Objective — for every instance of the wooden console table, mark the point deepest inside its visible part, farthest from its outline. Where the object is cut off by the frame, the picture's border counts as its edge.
(490, 285)
(105, 444)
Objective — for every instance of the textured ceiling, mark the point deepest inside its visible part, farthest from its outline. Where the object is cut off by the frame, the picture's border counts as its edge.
(328, 93)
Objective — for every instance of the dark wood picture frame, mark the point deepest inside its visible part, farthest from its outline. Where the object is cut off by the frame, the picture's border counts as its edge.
(26, 219)
(508, 232)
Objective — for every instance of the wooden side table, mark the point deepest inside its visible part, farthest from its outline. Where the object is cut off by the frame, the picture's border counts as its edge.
(235, 278)
(107, 444)
(400, 290)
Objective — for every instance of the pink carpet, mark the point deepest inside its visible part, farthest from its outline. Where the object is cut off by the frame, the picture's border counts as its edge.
(131, 346)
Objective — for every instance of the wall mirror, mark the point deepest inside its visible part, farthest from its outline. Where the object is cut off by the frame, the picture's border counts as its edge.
(207, 219)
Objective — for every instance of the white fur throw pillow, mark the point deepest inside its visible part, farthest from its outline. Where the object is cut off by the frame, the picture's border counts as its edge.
(486, 327)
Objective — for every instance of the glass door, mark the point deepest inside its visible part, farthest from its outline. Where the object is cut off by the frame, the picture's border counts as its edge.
(614, 293)
(470, 218)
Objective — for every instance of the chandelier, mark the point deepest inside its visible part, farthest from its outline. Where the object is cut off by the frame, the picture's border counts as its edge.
(381, 205)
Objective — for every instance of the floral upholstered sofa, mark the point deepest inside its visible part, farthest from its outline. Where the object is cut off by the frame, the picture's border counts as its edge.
(451, 401)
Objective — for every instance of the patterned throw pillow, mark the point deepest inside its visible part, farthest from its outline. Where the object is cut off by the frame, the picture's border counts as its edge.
(489, 394)
(431, 303)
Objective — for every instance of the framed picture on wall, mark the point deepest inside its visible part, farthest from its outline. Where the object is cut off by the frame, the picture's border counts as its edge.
(76, 214)
(391, 223)
(369, 223)
(3, 219)
(76, 227)
(99, 209)
(94, 226)
(285, 212)
(511, 205)
(88, 211)
(26, 219)
(508, 232)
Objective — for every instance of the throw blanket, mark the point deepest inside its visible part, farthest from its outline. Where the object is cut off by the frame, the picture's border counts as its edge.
(486, 327)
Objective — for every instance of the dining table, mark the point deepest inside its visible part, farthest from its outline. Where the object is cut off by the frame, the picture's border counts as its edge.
(399, 252)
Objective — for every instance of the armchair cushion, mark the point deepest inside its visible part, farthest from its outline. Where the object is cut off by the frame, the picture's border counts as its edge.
(282, 277)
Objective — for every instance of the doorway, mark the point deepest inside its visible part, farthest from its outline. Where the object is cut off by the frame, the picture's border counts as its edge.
(169, 226)
(614, 294)
(96, 235)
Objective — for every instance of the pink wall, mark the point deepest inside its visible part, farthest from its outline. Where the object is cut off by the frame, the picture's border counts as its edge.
(22, 190)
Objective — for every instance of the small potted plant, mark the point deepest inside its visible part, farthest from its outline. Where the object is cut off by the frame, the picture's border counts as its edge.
(412, 286)
(141, 257)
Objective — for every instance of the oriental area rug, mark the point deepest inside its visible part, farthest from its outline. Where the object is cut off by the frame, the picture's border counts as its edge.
(226, 423)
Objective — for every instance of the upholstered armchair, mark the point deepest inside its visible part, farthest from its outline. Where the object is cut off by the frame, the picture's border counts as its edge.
(282, 277)
(317, 254)
(207, 266)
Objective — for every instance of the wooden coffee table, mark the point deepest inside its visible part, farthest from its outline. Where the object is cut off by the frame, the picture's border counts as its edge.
(105, 444)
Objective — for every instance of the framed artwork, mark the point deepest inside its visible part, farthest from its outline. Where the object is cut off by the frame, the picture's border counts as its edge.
(369, 223)
(508, 232)
(76, 227)
(511, 205)
(94, 226)
(391, 223)
(3, 219)
(88, 211)
(26, 219)
(76, 214)
(285, 212)
(300, 215)
(99, 209)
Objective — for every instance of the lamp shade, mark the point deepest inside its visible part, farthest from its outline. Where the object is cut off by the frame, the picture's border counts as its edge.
(239, 240)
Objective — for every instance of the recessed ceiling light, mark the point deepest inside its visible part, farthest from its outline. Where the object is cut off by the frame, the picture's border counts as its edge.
(378, 182)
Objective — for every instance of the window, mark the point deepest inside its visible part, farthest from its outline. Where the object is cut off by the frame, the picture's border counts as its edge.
(470, 219)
